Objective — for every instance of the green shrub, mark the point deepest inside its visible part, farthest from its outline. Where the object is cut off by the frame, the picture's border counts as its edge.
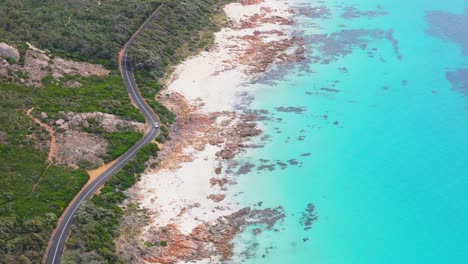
(97, 221)
(119, 143)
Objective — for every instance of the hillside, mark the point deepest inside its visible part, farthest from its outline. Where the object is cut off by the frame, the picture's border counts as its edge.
(84, 30)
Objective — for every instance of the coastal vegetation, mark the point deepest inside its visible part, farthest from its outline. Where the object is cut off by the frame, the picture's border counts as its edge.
(98, 94)
(181, 29)
(119, 142)
(86, 30)
(32, 193)
(97, 220)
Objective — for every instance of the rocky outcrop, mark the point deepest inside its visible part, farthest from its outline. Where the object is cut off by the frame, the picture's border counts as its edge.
(67, 67)
(79, 148)
(220, 182)
(76, 148)
(2, 137)
(193, 129)
(39, 64)
(242, 128)
(257, 46)
(247, 128)
(209, 239)
(228, 130)
(9, 52)
(251, 2)
(73, 84)
(108, 122)
(216, 197)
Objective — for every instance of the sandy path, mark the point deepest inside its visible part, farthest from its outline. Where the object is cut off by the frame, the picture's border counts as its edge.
(52, 146)
(93, 174)
(53, 140)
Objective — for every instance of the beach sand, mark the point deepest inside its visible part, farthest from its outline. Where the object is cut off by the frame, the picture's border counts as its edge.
(218, 77)
(180, 197)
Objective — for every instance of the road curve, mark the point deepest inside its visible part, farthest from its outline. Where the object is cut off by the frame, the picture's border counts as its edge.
(60, 234)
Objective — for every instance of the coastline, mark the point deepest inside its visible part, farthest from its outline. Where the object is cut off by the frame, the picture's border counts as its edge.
(187, 197)
(332, 186)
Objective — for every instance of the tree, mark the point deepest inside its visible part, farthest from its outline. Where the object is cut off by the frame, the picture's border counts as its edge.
(24, 260)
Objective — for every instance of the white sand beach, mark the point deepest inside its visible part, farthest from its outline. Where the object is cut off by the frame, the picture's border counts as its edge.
(217, 77)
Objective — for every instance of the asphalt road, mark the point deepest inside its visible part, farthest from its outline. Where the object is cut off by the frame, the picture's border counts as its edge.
(60, 234)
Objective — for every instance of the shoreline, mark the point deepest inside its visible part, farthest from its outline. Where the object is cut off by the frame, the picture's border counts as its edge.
(188, 194)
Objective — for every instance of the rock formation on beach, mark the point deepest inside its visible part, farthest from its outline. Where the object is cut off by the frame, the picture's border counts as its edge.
(209, 239)
(9, 52)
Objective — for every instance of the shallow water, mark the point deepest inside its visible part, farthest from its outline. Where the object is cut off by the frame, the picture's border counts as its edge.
(374, 136)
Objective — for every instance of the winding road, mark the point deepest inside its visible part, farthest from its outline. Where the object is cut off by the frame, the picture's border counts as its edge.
(60, 234)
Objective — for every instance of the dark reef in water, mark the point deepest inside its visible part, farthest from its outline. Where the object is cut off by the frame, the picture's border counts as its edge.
(291, 109)
(330, 90)
(449, 26)
(341, 43)
(314, 12)
(246, 168)
(453, 27)
(459, 80)
(309, 216)
(353, 12)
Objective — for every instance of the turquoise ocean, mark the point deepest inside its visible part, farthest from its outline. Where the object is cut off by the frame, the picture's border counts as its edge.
(365, 148)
